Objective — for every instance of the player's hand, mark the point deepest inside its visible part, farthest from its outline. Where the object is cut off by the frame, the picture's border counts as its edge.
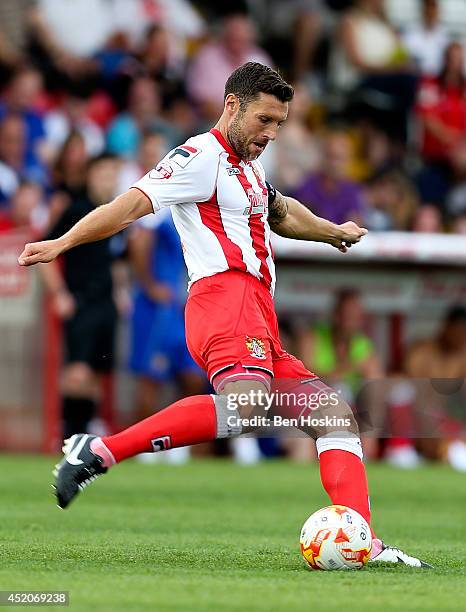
(64, 304)
(350, 234)
(39, 252)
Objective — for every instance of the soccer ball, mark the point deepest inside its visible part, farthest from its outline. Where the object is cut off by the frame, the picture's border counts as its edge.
(336, 538)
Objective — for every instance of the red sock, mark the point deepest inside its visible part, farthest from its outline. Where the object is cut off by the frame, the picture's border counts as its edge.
(189, 421)
(343, 476)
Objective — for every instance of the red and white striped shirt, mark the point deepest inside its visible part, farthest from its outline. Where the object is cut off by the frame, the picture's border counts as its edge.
(219, 205)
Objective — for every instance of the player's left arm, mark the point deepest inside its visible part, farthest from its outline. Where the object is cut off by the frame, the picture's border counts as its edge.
(289, 218)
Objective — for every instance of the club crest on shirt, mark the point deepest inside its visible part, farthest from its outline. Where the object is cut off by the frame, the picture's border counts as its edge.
(184, 154)
(162, 171)
(258, 203)
(256, 347)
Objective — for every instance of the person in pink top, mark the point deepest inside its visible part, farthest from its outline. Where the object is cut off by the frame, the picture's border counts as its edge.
(214, 62)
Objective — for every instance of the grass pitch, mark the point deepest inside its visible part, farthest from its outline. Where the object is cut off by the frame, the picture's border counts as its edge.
(212, 536)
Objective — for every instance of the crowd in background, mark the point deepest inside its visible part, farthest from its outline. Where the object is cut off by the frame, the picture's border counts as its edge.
(95, 92)
(376, 132)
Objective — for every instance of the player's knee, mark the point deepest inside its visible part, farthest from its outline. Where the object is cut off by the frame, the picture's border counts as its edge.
(336, 417)
(78, 380)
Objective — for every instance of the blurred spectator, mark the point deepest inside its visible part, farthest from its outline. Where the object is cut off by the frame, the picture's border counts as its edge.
(181, 115)
(426, 41)
(70, 169)
(214, 62)
(456, 196)
(29, 208)
(13, 152)
(12, 145)
(152, 148)
(144, 114)
(158, 351)
(83, 298)
(328, 193)
(179, 17)
(297, 147)
(459, 225)
(72, 114)
(428, 220)
(345, 356)
(26, 210)
(156, 56)
(13, 35)
(292, 29)
(157, 59)
(21, 96)
(75, 29)
(392, 202)
(443, 358)
(442, 107)
(370, 63)
(64, 36)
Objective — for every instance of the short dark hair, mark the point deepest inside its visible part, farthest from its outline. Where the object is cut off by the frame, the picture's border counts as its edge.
(252, 79)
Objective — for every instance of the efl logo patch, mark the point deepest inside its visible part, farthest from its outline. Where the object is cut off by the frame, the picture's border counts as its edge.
(162, 171)
(184, 154)
(161, 444)
(256, 347)
(231, 170)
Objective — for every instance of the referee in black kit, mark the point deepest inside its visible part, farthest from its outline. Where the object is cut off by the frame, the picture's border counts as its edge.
(83, 297)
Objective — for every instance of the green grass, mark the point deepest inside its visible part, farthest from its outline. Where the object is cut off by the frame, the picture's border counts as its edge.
(212, 536)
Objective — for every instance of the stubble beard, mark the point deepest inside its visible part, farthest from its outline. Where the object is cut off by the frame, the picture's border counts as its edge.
(238, 140)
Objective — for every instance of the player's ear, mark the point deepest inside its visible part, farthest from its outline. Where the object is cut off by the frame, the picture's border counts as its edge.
(231, 103)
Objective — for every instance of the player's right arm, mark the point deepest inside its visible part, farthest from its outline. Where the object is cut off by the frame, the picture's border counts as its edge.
(100, 223)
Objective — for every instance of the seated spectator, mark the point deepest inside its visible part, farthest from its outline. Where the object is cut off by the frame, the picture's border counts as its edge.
(72, 115)
(13, 152)
(459, 225)
(328, 193)
(428, 220)
(8, 181)
(427, 40)
(392, 202)
(29, 208)
(26, 209)
(156, 55)
(370, 64)
(214, 62)
(22, 96)
(442, 357)
(143, 114)
(442, 107)
(65, 37)
(342, 352)
(292, 30)
(455, 200)
(297, 150)
(152, 148)
(179, 17)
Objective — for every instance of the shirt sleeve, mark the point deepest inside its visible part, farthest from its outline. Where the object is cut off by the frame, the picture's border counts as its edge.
(186, 174)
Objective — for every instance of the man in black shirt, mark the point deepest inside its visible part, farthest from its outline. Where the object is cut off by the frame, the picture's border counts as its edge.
(82, 295)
